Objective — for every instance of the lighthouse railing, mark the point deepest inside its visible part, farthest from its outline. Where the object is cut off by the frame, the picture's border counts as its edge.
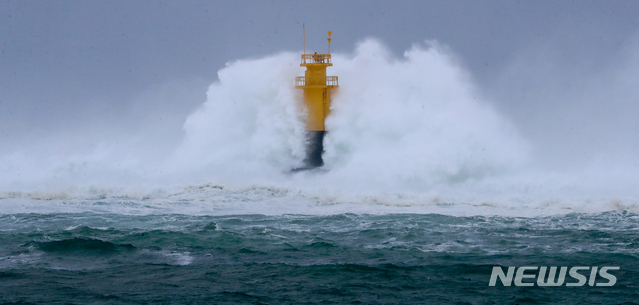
(316, 58)
(331, 81)
(300, 81)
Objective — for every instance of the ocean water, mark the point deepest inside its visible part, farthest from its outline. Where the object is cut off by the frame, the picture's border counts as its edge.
(128, 251)
(425, 190)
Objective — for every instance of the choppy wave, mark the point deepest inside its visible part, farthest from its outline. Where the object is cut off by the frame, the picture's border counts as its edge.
(185, 239)
(406, 135)
(237, 259)
(210, 199)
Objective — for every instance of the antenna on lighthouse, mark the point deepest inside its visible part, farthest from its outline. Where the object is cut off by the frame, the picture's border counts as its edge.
(304, 34)
(329, 41)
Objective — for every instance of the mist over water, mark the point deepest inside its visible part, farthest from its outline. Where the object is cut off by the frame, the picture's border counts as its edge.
(411, 133)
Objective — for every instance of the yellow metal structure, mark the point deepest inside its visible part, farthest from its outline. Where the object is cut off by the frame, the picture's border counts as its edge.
(317, 101)
(317, 88)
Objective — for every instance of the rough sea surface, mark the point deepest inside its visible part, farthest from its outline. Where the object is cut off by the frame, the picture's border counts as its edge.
(426, 187)
(151, 252)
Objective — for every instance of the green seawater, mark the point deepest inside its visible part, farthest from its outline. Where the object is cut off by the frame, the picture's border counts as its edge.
(109, 258)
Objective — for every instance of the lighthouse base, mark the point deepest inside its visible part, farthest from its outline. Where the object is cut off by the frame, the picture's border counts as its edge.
(314, 148)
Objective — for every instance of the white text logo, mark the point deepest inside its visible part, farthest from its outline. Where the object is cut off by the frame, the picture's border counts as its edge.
(549, 277)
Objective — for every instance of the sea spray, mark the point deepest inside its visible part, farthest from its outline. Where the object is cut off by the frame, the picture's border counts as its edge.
(405, 134)
(250, 124)
(414, 122)
(395, 124)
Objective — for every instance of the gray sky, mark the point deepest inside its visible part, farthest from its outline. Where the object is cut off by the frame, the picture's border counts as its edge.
(66, 65)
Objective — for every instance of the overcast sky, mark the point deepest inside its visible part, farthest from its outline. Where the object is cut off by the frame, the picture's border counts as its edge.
(64, 63)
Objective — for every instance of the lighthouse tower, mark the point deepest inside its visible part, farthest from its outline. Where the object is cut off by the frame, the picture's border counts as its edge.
(317, 101)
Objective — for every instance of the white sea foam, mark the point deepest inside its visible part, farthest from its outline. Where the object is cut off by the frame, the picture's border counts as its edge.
(410, 134)
(178, 258)
(13, 261)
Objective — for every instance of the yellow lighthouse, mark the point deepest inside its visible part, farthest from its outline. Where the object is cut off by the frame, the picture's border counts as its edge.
(317, 101)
